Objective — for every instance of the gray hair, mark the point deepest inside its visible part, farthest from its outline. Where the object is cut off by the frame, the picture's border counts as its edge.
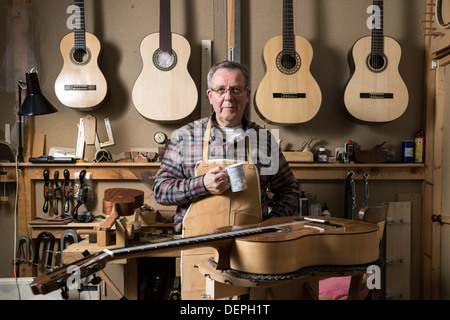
(228, 65)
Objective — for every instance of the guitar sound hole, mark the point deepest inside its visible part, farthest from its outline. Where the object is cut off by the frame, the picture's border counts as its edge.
(80, 56)
(288, 63)
(283, 230)
(164, 61)
(377, 62)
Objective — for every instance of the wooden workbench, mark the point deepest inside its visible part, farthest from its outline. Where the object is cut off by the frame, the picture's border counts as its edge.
(28, 174)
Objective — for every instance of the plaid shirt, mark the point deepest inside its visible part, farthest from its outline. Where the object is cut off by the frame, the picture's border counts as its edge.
(177, 184)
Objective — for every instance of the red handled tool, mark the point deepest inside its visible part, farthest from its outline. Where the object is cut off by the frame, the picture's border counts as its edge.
(57, 193)
(46, 190)
(66, 190)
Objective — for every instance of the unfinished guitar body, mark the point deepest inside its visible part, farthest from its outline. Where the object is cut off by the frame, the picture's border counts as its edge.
(118, 202)
(299, 244)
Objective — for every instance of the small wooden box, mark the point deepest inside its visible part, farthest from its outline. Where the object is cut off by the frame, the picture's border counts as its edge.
(295, 156)
(371, 156)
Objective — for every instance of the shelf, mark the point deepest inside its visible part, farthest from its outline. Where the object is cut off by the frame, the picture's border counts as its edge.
(32, 173)
(100, 171)
(376, 171)
(302, 171)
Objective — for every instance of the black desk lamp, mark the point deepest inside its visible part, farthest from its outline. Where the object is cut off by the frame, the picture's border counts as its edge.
(34, 104)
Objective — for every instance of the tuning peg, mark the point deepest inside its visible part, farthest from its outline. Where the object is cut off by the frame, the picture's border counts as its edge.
(65, 293)
(96, 280)
(81, 287)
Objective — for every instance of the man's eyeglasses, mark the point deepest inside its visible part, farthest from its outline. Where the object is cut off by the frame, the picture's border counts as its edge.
(235, 91)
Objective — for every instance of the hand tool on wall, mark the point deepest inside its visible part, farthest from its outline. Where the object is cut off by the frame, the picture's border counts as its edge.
(67, 233)
(82, 194)
(23, 253)
(46, 190)
(366, 189)
(28, 248)
(39, 238)
(66, 190)
(350, 196)
(57, 193)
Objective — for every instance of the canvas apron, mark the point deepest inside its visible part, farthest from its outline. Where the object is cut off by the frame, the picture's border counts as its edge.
(214, 211)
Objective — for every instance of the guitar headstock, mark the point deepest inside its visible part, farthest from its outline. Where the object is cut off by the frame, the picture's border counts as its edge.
(70, 275)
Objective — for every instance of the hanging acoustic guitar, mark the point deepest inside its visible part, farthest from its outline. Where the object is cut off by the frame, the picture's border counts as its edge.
(164, 90)
(288, 93)
(376, 92)
(80, 84)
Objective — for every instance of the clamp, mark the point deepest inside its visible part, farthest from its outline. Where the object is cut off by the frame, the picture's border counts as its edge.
(50, 250)
(23, 253)
(64, 235)
(28, 248)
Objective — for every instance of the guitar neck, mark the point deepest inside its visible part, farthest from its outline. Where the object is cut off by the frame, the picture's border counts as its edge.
(188, 243)
(80, 34)
(288, 27)
(165, 33)
(89, 265)
(378, 29)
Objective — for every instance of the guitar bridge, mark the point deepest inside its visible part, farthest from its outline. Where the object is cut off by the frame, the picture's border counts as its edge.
(288, 95)
(77, 87)
(322, 222)
(376, 95)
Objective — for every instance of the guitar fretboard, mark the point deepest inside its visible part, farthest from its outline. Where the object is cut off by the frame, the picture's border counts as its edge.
(378, 30)
(79, 32)
(288, 28)
(197, 240)
(165, 32)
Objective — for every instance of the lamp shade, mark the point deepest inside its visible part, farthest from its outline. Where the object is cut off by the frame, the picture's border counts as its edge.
(35, 103)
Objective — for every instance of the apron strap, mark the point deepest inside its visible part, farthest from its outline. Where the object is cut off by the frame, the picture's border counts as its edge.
(206, 142)
(206, 146)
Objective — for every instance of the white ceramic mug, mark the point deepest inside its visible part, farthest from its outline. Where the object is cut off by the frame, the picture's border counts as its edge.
(237, 177)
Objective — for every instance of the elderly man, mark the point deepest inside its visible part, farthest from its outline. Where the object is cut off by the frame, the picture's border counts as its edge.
(193, 172)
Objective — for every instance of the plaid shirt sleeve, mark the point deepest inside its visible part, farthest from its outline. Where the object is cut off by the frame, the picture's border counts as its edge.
(175, 182)
(285, 190)
(280, 181)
